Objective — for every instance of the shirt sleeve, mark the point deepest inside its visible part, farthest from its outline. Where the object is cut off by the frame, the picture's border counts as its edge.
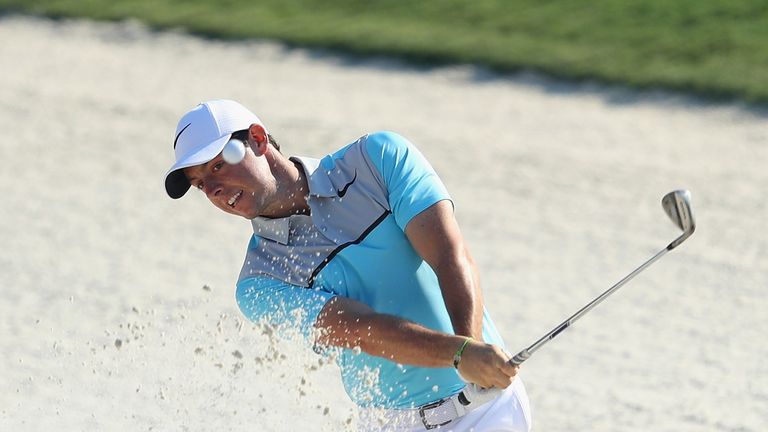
(411, 182)
(284, 306)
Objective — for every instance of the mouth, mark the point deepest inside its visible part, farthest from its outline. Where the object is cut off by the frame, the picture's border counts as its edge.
(233, 200)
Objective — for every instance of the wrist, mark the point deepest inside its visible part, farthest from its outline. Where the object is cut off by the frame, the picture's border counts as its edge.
(460, 352)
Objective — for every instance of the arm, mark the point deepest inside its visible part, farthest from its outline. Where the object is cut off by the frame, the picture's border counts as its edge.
(421, 207)
(420, 203)
(347, 323)
(436, 237)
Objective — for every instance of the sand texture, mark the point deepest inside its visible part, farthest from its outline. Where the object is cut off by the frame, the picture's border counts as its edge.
(117, 309)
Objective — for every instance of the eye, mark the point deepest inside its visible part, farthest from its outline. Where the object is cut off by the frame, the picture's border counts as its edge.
(218, 166)
(199, 186)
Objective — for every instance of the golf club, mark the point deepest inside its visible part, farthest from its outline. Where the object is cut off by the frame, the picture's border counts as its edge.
(677, 205)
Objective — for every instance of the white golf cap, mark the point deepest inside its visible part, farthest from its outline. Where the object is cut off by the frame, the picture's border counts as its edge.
(201, 135)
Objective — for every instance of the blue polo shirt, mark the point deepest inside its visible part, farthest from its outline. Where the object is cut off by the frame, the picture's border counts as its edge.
(353, 245)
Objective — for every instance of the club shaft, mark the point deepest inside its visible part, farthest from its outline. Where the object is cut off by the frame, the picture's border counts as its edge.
(526, 353)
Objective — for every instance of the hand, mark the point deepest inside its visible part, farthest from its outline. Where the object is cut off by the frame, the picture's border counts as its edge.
(486, 365)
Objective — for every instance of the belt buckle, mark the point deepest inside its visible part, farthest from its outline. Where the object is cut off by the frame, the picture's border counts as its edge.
(424, 416)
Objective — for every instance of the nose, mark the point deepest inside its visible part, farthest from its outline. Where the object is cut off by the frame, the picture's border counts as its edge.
(213, 189)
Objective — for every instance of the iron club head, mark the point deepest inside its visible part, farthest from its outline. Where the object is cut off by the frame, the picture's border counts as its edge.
(677, 205)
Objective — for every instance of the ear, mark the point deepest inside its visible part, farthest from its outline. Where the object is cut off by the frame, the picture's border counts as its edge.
(257, 139)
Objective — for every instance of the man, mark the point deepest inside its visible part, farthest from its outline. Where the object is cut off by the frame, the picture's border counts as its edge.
(361, 253)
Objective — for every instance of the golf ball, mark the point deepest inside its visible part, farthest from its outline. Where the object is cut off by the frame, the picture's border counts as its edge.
(234, 151)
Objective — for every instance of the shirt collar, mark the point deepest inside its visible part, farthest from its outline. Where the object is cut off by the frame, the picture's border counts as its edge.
(317, 177)
(272, 229)
(277, 229)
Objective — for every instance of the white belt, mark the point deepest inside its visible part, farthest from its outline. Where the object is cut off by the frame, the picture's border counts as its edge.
(441, 412)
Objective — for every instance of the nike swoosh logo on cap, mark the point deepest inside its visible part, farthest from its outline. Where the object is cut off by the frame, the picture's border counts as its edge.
(343, 191)
(179, 134)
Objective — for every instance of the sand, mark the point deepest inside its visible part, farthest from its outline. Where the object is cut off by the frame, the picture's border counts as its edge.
(118, 313)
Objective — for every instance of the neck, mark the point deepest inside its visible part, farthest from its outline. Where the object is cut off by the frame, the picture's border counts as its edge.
(299, 190)
(292, 186)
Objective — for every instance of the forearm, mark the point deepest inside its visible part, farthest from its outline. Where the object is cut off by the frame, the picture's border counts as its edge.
(461, 292)
(435, 235)
(408, 343)
(349, 324)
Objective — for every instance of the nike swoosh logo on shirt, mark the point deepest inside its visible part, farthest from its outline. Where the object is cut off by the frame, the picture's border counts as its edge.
(343, 191)
(179, 134)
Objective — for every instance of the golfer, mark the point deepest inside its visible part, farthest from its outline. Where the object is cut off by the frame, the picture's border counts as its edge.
(360, 252)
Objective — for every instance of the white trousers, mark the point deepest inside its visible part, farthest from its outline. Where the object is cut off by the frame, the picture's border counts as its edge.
(510, 412)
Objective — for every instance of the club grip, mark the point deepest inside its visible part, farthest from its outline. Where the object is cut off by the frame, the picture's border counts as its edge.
(520, 357)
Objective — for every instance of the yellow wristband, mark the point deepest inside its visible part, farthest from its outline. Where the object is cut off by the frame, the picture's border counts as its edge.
(457, 356)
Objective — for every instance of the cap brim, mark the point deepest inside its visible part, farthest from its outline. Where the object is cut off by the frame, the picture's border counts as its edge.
(176, 183)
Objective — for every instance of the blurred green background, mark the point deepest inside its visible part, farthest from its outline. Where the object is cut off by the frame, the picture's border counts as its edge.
(716, 49)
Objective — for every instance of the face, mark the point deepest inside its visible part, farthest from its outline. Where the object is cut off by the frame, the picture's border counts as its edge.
(245, 189)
